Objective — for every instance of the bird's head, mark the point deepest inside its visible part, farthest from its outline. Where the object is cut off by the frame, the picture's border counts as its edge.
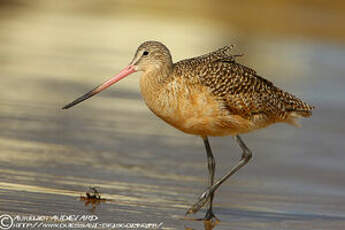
(150, 56)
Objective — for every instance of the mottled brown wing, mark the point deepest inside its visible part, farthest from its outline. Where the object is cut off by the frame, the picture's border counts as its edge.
(248, 94)
(242, 90)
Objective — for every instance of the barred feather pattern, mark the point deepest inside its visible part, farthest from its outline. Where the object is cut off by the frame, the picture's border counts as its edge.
(241, 89)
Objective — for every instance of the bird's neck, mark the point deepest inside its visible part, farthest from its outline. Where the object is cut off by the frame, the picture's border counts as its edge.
(156, 76)
(152, 82)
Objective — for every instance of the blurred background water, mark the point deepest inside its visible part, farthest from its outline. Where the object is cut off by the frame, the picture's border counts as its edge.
(53, 51)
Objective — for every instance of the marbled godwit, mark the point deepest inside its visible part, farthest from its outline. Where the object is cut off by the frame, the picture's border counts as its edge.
(209, 95)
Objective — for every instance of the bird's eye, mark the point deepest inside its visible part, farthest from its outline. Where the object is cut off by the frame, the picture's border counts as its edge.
(145, 53)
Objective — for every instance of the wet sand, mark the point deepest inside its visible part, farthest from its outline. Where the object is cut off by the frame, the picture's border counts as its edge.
(150, 172)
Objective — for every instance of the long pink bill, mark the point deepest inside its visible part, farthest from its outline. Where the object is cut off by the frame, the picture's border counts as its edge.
(125, 72)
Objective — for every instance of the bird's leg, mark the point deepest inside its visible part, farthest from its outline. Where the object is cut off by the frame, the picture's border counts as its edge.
(206, 196)
(211, 163)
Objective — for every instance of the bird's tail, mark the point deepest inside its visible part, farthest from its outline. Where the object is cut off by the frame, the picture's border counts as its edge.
(303, 110)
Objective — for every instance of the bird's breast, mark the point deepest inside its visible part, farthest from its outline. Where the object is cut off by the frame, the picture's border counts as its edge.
(187, 106)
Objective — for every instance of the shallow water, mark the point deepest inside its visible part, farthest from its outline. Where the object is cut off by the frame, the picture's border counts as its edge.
(51, 53)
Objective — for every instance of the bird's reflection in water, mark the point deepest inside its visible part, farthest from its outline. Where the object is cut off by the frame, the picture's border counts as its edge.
(208, 224)
(92, 197)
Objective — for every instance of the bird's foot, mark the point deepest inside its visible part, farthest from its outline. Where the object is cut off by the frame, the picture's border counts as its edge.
(203, 199)
(210, 216)
(210, 219)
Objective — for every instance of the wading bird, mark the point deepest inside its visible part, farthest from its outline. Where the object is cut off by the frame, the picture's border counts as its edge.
(209, 95)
